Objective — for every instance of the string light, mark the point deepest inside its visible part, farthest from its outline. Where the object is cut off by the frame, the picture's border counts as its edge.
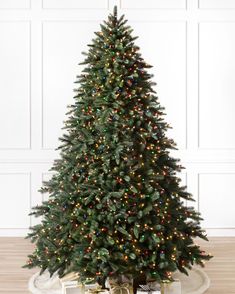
(115, 159)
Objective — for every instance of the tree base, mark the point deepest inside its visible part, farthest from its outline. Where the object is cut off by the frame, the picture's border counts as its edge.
(196, 283)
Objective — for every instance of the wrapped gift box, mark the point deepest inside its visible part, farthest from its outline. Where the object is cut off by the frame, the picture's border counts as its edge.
(141, 291)
(122, 284)
(72, 287)
(150, 288)
(171, 288)
(164, 288)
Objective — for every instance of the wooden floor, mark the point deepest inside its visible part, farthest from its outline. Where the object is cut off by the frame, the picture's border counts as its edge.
(13, 252)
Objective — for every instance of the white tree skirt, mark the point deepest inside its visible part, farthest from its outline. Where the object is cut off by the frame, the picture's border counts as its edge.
(196, 283)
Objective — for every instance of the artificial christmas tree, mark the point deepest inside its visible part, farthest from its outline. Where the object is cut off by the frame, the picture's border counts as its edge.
(116, 204)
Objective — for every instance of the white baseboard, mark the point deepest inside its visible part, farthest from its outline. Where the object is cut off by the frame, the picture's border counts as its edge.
(225, 232)
(13, 232)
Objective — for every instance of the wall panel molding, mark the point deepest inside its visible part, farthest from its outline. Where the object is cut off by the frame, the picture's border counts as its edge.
(215, 115)
(213, 199)
(15, 108)
(15, 4)
(74, 4)
(16, 188)
(187, 42)
(216, 4)
(154, 4)
(173, 38)
(51, 33)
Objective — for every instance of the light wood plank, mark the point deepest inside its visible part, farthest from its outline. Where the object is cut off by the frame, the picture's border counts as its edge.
(13, 252)
(221, 269)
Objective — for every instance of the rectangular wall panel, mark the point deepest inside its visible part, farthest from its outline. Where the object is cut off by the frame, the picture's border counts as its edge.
(40, 49)
(217, 4)
(14, 4)
(15, 85)
(88, 4)
(216, 200)
(15, 200)
(154, 4)
(216, 85)
(168, 56)
(63, 43)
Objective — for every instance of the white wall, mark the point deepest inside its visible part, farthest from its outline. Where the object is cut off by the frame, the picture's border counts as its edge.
(191, 44)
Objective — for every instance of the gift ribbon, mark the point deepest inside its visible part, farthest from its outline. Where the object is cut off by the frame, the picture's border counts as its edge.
(95, 291)
(121, 287)
(164, 286)
(70, 277)
(148, 288)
